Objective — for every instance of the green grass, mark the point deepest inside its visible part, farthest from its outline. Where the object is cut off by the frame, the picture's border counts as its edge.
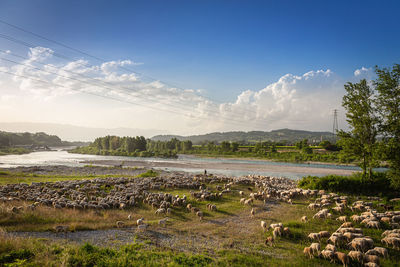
(12, 150)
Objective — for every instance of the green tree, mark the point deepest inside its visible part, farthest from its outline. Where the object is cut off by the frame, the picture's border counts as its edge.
(235, 146)
(387, 86)
(361, 116)
(225, 146)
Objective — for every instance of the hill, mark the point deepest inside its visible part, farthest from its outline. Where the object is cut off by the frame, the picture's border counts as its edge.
(26, 139)
(288, 135)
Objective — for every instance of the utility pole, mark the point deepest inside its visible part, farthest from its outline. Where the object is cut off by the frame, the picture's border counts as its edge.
(335, 124)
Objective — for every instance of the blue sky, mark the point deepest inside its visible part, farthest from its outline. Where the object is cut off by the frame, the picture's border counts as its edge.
(221, 47)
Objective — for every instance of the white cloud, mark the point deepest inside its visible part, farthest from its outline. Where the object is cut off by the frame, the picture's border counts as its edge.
(302, 101)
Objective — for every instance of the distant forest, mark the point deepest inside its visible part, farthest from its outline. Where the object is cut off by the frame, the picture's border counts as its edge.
(283, 136)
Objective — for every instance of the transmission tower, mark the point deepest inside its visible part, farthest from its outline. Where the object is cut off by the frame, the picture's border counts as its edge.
(335, 123)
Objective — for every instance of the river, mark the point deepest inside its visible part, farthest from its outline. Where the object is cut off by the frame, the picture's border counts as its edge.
(187, 163)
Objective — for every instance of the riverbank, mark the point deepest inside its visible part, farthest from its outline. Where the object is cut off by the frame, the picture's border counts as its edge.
(200, 166)
(14, 151)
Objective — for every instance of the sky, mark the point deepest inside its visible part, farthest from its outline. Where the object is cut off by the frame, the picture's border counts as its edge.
(189, 67)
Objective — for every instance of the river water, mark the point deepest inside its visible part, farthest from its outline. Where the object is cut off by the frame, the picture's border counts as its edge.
(188, 163)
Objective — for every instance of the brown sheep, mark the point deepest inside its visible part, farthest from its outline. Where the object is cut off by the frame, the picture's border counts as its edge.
(343, 258)
(286, 231)
(371, 258)
(356, 256)
(308, 252)
(324, 234)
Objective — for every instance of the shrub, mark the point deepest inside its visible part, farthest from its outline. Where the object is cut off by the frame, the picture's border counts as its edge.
(379, 184)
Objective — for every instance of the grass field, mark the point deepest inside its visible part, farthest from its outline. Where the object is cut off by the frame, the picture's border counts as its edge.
(227, 237)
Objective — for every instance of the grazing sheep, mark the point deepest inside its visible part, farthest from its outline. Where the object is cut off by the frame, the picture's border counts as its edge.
(286, 231)
(371, 258)
(140, 221)
(383, 252)
(120, 224)
(130, 217)
(160, 211)
(328, 254)
(330, 247)
(342, 218)
(371, 264)
(277, 232)
(314, 236)
(200, 215)
(324, 234)
(241, 193)
(264, 225)
(342, 257)
(304, 219)
(269, 241)
(356, 256)
(242, 200)
(189, 207)
(346, 225)
(142, 227)
(169, 210)
(248, 201)
(315, 248)
(61, 228)
(308, 252)
(163, 222)
(373, 224)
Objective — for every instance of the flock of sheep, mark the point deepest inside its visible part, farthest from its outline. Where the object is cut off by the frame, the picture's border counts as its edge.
(122, 193)
(362, 248)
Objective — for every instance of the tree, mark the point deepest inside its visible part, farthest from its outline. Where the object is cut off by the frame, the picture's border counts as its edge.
(361, 116)
(388, 100)
(235, 146)
(225, 146)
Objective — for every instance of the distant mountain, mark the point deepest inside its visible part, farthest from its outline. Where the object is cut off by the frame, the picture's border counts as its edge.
(74, 133)
(288, 135)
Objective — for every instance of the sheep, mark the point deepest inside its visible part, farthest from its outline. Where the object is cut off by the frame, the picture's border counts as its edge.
(308, 252)
(159, 211)
(330, 247)
(142, 226)
(342, 218)
(248, 201)
(242, 200)
(356, 256)
(163, 222)
(61, 228)
(269, 241)
(356, 218)
(371, 264)
(315, 248)
(189, 207)
(277, 232)
(130, 217)
(314, 236)
(324, 234)
(371, 258)
(346, 225)
(342, 257)
(373, 224)
(140, 221)
(304, 219)
(252, 212)
(120, 224)
(361, 244)
(274, 225)
(241, 193)
(264, 225)
(169, 210)
(286, 231)
(328, 254)
(383, 252)
(200, 215)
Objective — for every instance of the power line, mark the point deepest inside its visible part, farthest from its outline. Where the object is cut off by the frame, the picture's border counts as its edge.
(97, 58)
(88, 65)
(77, 80)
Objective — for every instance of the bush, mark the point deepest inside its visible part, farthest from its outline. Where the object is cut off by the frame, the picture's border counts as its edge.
(354, 184)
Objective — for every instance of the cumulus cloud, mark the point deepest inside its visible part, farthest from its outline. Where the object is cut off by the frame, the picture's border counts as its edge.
(302, 101)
